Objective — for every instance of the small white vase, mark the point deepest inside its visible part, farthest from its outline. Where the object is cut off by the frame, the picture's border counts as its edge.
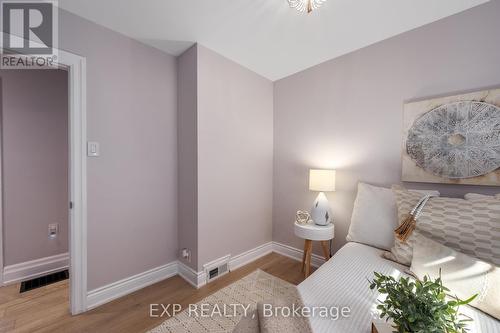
(321, 213)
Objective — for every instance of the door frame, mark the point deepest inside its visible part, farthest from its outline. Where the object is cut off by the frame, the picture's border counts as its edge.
(77, 221)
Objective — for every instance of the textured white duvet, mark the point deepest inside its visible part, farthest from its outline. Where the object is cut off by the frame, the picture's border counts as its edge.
(342, 281)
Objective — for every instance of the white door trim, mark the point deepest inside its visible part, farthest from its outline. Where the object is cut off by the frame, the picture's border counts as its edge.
(76, 66)
(78, 179)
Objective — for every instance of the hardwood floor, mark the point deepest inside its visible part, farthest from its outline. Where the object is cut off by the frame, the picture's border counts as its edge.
(46, 309)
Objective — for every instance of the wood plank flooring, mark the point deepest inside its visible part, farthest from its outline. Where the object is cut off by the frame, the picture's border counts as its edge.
(46, 309)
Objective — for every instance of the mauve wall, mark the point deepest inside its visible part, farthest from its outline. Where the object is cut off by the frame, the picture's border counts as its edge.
(35, 163)
(187, 113)
(132, 186)
(347, 113)
(235, 157)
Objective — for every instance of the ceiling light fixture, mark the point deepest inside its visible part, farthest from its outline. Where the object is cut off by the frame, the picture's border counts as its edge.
(305, 5)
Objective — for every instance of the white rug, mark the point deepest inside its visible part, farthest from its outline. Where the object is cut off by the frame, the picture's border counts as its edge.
(256, 287)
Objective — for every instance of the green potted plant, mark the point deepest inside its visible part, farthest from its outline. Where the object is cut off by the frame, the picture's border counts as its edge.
(419, 306)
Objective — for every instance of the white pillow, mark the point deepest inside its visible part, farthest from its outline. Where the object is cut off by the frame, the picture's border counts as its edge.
(375, 216)
(463, 275)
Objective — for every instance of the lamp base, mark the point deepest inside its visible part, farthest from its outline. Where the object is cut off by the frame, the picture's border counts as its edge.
(320, 212)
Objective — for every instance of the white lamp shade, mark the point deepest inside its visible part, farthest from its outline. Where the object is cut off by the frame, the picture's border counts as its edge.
(322, 180)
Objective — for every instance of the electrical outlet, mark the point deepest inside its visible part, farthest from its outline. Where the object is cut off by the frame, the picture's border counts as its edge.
(53, 230)
(186, 254)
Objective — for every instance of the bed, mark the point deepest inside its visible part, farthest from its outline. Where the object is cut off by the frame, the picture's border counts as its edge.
(342, 282)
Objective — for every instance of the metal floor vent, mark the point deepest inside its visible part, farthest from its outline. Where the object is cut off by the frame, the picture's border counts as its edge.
(217, 268)
(217, 271)
(43, 281)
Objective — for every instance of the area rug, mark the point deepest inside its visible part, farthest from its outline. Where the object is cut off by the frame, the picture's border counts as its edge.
(223, 316)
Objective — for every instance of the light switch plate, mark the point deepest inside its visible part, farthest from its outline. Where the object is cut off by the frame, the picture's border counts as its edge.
(92, 149)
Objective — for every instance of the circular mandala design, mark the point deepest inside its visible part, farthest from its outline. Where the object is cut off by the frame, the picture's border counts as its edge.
(457, 140)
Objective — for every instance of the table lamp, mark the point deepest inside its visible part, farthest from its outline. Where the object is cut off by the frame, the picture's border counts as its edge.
(321, 181)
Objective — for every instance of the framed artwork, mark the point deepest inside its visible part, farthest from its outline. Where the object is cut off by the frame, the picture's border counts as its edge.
(453, 140)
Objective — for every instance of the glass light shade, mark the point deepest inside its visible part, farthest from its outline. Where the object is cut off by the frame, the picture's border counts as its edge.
(305, 5)
(322, 180)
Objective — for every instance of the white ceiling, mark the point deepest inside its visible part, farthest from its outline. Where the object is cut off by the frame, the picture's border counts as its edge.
(265, 36)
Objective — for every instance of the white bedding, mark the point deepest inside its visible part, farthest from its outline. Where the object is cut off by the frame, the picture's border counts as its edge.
(342, 282)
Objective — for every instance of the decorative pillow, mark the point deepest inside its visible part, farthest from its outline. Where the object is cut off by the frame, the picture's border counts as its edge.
(374, 217)
(477, 196)
(468, 226)
(463, 275)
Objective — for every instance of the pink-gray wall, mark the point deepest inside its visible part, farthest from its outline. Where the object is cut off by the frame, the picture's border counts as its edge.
(34, 105)
(132, 186)
(225, 156)
(347, 113)
(187, 137)
(235, 157)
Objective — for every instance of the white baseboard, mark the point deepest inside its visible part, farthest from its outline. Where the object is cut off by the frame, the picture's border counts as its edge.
(294, 253)
(128, 285)
(35, 268)
(196, 279)
(249, 256)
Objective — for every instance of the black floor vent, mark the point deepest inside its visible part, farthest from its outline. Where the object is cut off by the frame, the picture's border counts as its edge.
(43, 281)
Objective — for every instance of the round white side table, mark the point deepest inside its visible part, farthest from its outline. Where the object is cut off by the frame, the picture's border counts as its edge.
(312, 232)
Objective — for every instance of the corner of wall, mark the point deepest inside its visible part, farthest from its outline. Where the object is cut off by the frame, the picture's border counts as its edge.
(187, 147)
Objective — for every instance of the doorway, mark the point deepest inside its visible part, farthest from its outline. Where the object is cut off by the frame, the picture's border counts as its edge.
(34, 179)
(75, 66)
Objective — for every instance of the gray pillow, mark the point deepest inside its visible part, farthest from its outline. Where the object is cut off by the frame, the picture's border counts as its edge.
(468, 226)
